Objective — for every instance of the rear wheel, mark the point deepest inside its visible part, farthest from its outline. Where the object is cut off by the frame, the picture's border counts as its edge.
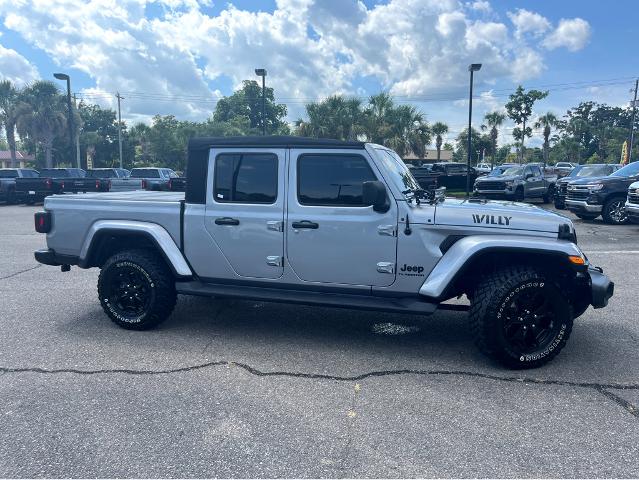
(520, 318)
(550, 194)
(136, 289)
(614, 211)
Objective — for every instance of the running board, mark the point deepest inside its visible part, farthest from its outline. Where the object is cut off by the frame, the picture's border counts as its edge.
(412, 305)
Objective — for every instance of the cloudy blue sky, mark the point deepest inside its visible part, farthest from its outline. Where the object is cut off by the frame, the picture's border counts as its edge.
(178, 56)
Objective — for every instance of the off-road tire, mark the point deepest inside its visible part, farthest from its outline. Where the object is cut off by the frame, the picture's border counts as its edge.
(550, 194)
(150, 277)
(519, 195)
(609, 211)
(491, 307)
(585, 216)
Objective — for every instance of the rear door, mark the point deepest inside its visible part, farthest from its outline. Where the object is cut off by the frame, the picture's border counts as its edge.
(332, 237)
(246, 212)
(536, 182)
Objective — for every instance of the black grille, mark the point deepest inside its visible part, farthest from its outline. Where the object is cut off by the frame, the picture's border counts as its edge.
(633, 197)
(563, 188)
(578, 195)
(491, 185)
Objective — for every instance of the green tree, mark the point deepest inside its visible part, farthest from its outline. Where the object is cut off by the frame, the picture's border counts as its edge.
(493, 121)
(546, 122)
(478, 143)
(438, 129)
(519, 109)
(336, 117)
(247, 102)
(41, 116)
(9, 101)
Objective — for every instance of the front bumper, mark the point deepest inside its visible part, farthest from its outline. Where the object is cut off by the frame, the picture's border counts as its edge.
(632, 209)
(601, 287)
(580, 206)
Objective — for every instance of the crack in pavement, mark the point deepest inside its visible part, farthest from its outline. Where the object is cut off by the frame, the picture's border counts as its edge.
(602, 388)
(20, 272)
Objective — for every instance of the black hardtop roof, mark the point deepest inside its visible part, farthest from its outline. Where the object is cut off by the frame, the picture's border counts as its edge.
(279, 141)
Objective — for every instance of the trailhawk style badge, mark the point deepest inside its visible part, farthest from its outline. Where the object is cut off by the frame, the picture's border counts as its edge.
(491, 219)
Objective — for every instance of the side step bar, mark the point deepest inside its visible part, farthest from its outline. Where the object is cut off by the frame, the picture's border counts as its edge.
(413, 305)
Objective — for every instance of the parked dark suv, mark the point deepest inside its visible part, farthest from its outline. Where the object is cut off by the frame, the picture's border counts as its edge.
(588, 198)
(579, 172)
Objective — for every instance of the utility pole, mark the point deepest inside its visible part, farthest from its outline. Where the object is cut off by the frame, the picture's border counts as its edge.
(471, 68)
(77, 138)
(119, 97)
(632, 124)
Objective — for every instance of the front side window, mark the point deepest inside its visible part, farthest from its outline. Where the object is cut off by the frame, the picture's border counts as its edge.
(332, 179)
(245, 178)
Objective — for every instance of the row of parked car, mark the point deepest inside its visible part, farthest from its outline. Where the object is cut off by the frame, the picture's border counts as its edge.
(26, 185)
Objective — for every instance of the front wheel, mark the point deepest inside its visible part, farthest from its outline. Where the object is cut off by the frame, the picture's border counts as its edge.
(520, 318)
(614, 211)
(550, 194)
(136, 289)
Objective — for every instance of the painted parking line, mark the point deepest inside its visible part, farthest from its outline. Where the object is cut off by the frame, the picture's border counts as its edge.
(613, 251)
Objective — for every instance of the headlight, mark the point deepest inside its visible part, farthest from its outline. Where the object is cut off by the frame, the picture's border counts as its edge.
(510, 183)
(594, 187)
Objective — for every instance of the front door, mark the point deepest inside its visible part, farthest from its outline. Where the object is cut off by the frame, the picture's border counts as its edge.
(332, 237)
(245, 218)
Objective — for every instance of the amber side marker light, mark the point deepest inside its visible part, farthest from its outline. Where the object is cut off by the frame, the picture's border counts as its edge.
(577, 260)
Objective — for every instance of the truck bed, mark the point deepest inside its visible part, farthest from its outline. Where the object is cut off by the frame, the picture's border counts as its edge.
(77, 213)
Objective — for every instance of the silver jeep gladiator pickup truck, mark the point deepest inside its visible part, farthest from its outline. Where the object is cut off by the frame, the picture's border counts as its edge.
(325, 222)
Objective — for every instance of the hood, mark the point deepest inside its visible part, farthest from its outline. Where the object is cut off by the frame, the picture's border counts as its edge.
(604, 180)
(498, 215)
(579, 179)
(499, 178)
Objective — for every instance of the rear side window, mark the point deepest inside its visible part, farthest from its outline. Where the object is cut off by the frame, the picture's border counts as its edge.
(145, 173)
(245, 178)
(332, 179)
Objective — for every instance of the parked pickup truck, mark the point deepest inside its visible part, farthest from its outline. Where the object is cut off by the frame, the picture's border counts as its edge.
(177, 184)
(154, 179)
(52, 181)
(589, 198)
(517, 183)
(8, 182)
(326, 222)
(632, 203)
(119, 178)
(591, 171)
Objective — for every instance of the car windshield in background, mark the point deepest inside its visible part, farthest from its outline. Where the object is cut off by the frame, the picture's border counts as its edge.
(145, 173)
(8, 173)
(513, 171)
(627, 171)
(495, 172)
(401, 176)
(101, 174)
(598, 171)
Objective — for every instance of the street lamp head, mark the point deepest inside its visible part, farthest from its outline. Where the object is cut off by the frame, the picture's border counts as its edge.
(260, 72)
(474, 67)
(61, 76)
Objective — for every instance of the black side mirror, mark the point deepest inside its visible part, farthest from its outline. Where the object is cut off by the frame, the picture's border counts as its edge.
(528, 175)
(374, 193)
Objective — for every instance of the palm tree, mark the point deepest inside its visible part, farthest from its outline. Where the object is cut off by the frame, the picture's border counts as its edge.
(41, 116)
(438, 129)
(493, 121)
(9, 100)
(407, 131)
(546, 121)
(336, 117)
(376, 117)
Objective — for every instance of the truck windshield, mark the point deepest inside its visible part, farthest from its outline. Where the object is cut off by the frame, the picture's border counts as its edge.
(628, 171)
(145, 173)
(400, 175)
(513, 171)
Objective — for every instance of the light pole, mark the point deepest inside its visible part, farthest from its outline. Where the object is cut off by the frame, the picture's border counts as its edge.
(472, 68)
(64, 76)
(261, 72)
(632, 125)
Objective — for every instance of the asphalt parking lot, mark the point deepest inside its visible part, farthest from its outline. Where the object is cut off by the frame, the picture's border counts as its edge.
(238, 388)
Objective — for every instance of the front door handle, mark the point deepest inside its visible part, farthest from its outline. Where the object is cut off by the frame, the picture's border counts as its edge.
(227, 221)
(305, 224)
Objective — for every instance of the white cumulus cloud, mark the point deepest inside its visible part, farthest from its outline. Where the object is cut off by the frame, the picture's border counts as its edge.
(16, 68)
(526, 21)
(572, 34)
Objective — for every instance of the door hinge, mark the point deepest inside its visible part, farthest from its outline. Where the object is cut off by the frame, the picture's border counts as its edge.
(275, 225)
(386, 267)
(388, 230)
(274, 261)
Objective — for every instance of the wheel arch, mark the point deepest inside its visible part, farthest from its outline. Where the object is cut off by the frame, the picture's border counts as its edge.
(105, 238)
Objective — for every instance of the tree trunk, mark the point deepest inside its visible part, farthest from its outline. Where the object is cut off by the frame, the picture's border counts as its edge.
(11, 140)
(48, 152)
(523, 138)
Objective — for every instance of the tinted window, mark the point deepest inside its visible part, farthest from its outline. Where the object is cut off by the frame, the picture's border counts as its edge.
(536, 171)
(145, 173)
(29, 173)
(54, 173)
(246, 178)
(8, 173)
(325, 179)
(101, 174)
(629, 170)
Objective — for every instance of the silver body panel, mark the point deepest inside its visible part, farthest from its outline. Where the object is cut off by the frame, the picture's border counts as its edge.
(355, 248)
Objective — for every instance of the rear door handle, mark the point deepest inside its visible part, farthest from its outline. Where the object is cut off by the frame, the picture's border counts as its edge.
(305, 224)
(227, 221)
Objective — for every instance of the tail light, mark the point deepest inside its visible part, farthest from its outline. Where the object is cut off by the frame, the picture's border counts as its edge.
(42, 222)
(143, 184)
(97, 184)
(48, 183)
